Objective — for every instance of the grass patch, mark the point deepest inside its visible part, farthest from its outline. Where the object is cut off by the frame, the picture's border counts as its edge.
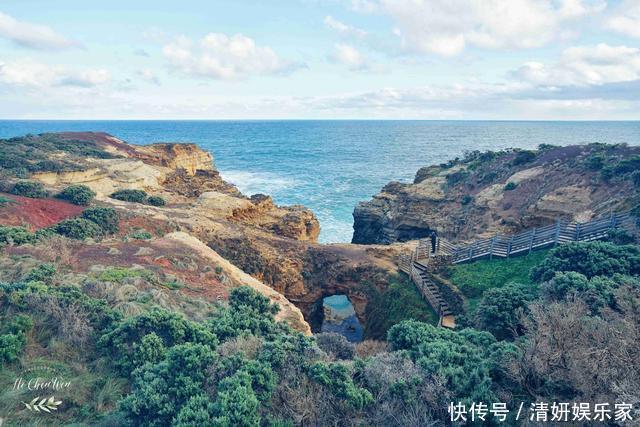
(473, 279)
(400, 301)
(119, 274)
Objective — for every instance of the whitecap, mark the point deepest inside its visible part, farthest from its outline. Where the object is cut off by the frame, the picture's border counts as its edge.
(258, 182)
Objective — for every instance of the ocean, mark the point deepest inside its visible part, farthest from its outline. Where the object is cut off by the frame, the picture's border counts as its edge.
(329, 166)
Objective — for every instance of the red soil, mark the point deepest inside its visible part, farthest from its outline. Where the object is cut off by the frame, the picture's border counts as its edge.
(35, 213)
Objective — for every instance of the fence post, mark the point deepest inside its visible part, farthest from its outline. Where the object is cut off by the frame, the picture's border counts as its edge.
(493, 241)
(533, 236)
(470, 251)
(509, 246)
(613, 220)
(577, 239)
(557, 237)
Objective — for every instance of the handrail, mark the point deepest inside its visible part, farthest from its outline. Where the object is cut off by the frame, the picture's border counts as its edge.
(527, 240)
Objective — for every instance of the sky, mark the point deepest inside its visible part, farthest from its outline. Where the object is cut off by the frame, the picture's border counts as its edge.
(320, 59)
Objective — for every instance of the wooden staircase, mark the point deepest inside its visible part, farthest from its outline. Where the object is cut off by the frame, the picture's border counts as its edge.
(416, 264)
(418, 272)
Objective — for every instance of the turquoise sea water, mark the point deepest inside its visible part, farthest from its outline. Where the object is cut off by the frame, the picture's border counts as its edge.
(329, 166)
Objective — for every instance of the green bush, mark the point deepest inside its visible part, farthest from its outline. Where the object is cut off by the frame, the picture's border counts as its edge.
(595, 162)
(32, 189)
(15, 236)
(523, 156)
(161, 390)
(156, 201)
(590, 259)
(121, 344)
(41, 273)
(140, 235)
(510, 186)
(457, 177)
(106, 218)
(467, 361)
(135, 196)
(77, 194)
(78, 228)
(500, 309)
(466, 199)
(13, 337)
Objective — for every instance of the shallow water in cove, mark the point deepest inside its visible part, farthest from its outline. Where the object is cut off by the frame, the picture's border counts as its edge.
(340, 318)
(329, 166)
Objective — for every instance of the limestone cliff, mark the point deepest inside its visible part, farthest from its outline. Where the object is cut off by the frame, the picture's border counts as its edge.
(487, 193)
(277, 246)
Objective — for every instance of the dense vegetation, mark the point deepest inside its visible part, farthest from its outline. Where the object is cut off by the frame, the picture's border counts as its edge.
(32, 189)
(241, 367)
(24, 155)
(95, 223)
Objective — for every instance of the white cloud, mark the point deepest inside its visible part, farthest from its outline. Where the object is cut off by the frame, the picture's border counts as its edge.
(342, 28)
(447, 27)
(223, 57)
(30, 73)
(625, 19)
(585, 66)
(33, 36)
(149, 76)
(350, 56)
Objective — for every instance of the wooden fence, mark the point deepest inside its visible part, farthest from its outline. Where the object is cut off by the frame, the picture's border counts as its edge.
(524, 242)
(415, 264)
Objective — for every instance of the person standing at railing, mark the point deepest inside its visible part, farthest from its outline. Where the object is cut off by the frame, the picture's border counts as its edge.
(434, 241)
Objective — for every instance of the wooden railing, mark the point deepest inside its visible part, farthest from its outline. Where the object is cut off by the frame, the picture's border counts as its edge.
(415, 264)
(524, 242)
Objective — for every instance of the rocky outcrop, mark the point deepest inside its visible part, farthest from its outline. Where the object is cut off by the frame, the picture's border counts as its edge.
(188, 157)
(503, 192)
(273, 248)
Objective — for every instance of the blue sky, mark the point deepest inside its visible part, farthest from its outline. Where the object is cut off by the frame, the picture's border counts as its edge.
(397, 59)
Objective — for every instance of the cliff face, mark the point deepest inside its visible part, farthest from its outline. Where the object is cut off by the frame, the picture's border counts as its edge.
(487, 193)
(273, 248)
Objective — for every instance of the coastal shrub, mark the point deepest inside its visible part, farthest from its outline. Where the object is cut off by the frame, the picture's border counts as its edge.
(635, 178)
(122, 343)
(155, 201)
(78, 228)
(457, 177)
(620, 236)
(466, 199)
(15, 236)
(510, 186)
(523, 156)
(140, 235)
(543, 147)
(590, 259)
(337, 378)
(335, 345)
(135, 196)
(627, 165)
(5, 200)
(468, 361)
(160, 390)
(77, 194)
(595, 162)
(41, 273)
(500, 310)
(106, 218)
(13, 337)
(32, 189)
